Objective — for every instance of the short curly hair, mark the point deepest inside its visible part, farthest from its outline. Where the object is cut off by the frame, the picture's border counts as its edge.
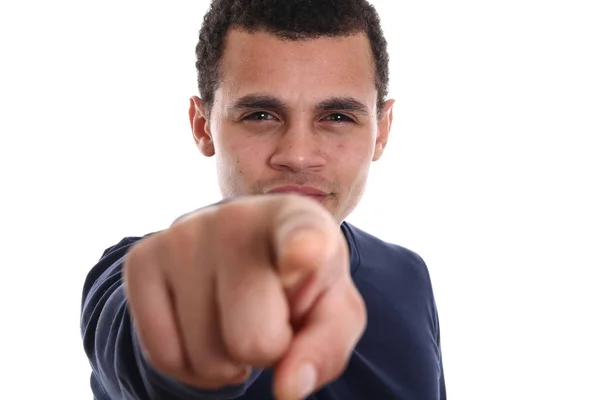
(290, 20)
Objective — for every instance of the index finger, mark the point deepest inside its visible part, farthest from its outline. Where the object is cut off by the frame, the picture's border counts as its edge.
(320, 351)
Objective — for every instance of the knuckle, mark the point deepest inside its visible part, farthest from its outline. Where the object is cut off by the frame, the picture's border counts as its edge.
(358, 312)
(170, 366)
(135, 257)
(334, 354)
(217, 374)
(182, 246)
(229, 220)
(182, 236)
(333, 360)
(358, 307)
(261, 346)
(231, 212)
(211, 375)
(353, 301)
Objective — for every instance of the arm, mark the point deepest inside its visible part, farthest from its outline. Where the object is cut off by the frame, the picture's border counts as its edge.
(436, 324)
(436, 332)
(119, 369)
(442, 378)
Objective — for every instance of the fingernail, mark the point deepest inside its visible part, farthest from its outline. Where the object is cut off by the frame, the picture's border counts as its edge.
(293, 232)
(307, 379)
(291, 276)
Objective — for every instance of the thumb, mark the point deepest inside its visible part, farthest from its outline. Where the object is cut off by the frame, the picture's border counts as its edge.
(306, 243)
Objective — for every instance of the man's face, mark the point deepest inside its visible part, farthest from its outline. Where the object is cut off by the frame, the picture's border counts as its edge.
(294, 115)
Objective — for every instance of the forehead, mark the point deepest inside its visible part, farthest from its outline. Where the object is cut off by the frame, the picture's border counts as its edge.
(260, 62)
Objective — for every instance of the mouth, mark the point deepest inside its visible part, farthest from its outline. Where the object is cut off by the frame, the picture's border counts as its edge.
(307, 191)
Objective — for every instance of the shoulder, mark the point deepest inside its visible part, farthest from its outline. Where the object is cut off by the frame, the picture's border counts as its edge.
(110, 262)
(393, 277)
(375, 253)
(121, 247)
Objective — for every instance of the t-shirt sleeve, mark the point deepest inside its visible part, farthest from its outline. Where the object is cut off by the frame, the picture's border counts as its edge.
(119, 368)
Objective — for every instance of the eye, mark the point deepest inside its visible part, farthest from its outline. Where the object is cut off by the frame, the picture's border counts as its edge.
(259, 116)
(337, 117)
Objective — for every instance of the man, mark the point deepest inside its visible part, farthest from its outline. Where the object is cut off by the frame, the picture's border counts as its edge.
(270, 293)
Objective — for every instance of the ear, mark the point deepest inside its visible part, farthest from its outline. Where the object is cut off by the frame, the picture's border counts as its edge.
(383, 128)
(201, 127)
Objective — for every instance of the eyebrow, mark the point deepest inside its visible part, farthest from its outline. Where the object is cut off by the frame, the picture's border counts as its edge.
(342, 104)
(258, 101)
(267, 102)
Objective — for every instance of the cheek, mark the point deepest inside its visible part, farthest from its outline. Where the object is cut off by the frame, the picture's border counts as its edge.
(246, 160)
(235, 171)
(355, 155)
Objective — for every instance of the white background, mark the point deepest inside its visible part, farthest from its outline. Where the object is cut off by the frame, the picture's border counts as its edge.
(491, 174)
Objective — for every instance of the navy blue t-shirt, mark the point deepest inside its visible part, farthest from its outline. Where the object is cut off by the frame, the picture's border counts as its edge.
(398, 356)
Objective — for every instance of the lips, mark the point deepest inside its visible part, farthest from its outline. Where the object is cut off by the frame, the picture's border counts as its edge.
(302, 190)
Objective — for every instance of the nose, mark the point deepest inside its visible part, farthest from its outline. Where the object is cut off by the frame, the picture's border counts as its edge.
(298, 149)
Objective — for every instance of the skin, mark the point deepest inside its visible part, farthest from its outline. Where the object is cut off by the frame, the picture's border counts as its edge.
(263, 281)
(258, 147)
